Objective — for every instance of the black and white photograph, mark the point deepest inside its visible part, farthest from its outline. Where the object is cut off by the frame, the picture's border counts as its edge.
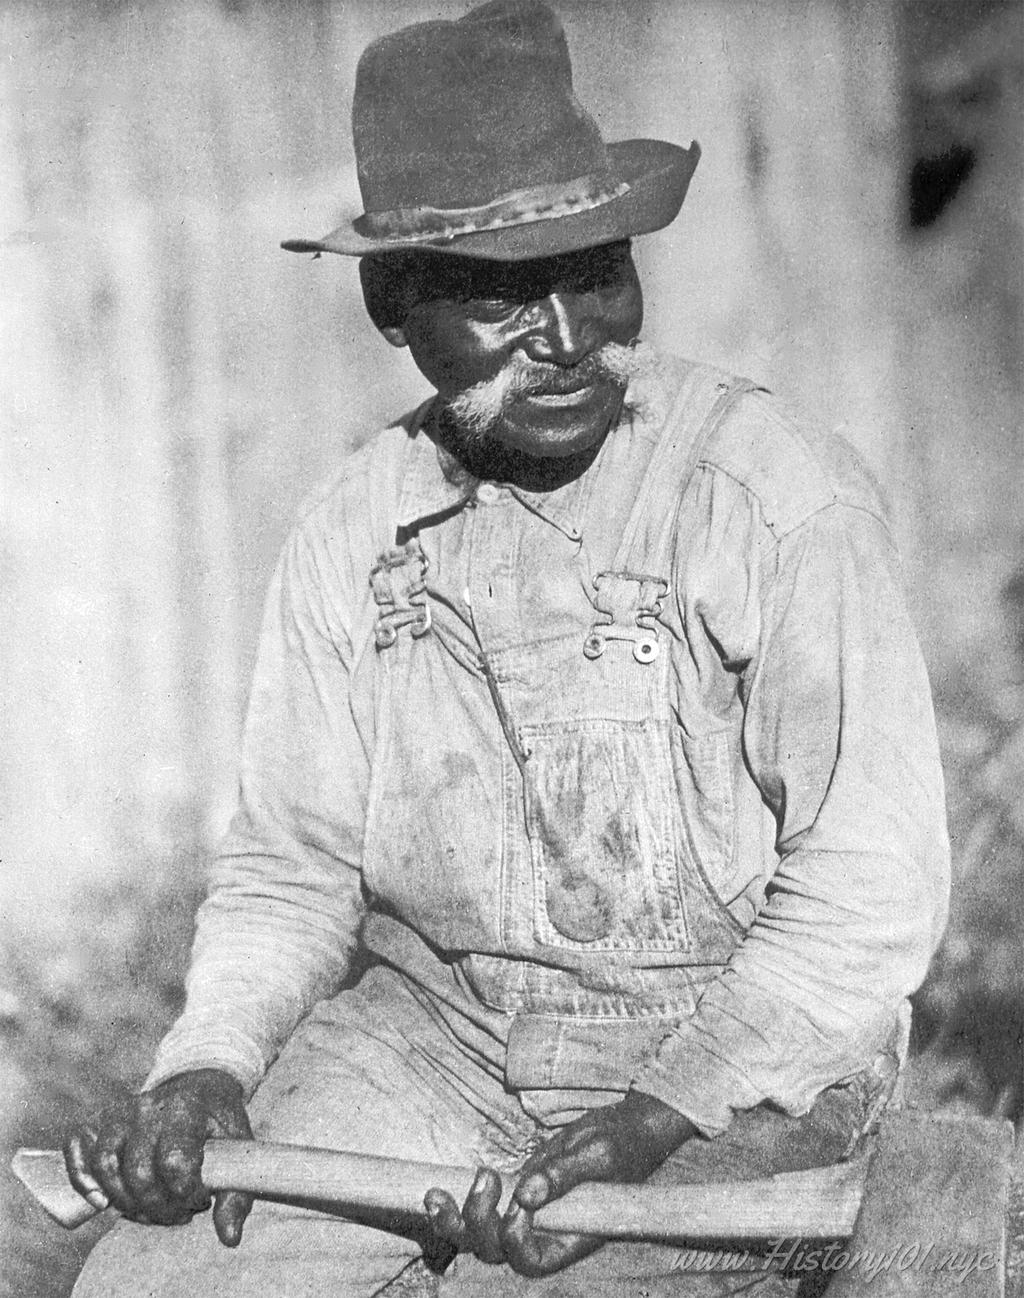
(512, 774)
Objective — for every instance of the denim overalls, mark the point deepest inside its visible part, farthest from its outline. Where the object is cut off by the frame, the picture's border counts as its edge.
(567, 879)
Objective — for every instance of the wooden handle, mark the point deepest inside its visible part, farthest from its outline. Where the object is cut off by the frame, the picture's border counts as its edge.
(328, 1175)
(819, 1204)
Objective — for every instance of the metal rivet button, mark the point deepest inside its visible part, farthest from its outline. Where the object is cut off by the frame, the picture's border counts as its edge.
(488, 493)
(645, 648)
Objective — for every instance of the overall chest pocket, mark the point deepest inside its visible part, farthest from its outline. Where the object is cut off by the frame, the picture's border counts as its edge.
(599, 816)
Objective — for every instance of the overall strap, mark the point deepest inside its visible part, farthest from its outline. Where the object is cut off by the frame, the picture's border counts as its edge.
(704, 398)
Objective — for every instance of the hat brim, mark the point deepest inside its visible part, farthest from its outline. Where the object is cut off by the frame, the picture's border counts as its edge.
(657, 174)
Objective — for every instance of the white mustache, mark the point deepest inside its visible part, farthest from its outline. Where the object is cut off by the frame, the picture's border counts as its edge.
(475, 410)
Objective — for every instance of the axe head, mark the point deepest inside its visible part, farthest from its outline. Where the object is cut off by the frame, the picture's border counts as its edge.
(43, 1174)
(935, 1205)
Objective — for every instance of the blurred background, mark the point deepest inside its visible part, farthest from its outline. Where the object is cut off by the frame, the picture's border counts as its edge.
(172, 385)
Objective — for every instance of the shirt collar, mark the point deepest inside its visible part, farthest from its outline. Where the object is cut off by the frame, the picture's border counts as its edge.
(431, 484)
(565, 507)
(435, 483)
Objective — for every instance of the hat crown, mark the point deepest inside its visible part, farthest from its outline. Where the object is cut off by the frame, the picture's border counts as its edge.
(458, 114)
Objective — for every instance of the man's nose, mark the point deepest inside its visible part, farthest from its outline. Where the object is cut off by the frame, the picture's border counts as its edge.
(562, 329)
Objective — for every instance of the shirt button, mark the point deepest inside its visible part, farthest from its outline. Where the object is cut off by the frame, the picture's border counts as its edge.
(488, 493)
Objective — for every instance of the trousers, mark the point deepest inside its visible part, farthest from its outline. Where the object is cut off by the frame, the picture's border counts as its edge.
(374, 1071)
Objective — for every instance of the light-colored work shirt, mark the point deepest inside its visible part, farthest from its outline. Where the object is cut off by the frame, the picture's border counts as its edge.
(631, 796)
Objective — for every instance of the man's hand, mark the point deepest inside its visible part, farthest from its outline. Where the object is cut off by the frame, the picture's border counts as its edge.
(622, 1142)
(144, 1156)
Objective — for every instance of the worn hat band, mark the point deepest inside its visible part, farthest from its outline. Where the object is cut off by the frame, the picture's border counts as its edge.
(518, 207)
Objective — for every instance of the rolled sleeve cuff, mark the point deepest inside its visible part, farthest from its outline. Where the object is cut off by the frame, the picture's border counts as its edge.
(698, 1083)
(696, 1071)
(187, 1048)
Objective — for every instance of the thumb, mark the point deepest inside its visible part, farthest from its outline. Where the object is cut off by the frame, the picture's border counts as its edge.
(230, 1209)
(535, 1190)
(560, 1173)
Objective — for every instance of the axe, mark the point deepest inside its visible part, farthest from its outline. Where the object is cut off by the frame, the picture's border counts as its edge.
(943, 1194)
(821, 1203)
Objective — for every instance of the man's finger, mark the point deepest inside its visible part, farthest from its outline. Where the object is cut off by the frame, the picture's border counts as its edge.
(77, 1163)
(534, 1191)
(178, 1165)
(483, 1225)
(549, 1152)
(105, 1162)
(230, 1209)
(534, 1252)
(538, 1185)
(445, 1218)
(148, 1193)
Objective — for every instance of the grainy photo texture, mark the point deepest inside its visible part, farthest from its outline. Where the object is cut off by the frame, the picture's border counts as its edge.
(513, 636)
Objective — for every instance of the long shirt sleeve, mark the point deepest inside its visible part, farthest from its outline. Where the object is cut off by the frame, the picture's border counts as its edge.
(839, 738)
(277, 929)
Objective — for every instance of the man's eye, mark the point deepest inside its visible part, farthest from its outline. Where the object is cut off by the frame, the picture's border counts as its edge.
(491, 306)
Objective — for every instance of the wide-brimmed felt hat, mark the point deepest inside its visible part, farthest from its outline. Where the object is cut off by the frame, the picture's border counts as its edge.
(469, 140)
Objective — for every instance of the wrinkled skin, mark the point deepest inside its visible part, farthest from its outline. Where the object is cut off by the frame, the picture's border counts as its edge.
(464, 318)
(622, 1142)
(144, 1157)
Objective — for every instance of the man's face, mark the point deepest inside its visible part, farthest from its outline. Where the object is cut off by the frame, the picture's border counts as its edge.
(514, 349)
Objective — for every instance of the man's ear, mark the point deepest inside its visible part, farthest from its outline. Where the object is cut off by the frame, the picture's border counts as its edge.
(388, 290)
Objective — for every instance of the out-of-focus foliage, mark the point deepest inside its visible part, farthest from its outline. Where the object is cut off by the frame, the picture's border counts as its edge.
(80, 1016)
(84, 1017)
(969, 1015)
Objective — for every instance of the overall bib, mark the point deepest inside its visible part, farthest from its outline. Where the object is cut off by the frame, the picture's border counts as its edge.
(571, 878)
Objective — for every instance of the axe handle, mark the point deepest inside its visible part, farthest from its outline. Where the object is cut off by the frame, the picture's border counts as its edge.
(818, 1204)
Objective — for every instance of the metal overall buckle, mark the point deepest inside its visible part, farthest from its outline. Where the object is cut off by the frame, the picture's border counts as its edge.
(632, 602)
(398, 582)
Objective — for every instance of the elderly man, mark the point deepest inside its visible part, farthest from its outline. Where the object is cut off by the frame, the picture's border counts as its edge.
(588, 706)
